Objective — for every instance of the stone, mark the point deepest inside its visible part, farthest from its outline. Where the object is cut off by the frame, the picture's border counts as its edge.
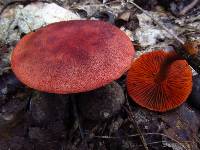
(101, 103)
(24, 19)
(47, 108)
(148, 33)
(36, 15)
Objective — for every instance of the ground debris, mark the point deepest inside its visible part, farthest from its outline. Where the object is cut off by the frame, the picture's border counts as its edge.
(36, 121)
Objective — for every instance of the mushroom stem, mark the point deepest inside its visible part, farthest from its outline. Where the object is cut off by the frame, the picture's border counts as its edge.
(189, 51)
(164, 69)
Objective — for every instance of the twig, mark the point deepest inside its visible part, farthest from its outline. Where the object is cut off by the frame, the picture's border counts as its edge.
(188, 124)
(77, 116)
(188, 7)
(135, 135)
(6, 69)
(29, 27)
(132, 118)
(158, 22)
(78, 120)
(29, 105)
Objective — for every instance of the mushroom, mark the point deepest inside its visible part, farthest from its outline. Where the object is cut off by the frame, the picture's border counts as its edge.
(72, 56)
(159, 80)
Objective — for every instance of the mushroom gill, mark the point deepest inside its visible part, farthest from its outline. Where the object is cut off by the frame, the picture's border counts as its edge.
(159, 80)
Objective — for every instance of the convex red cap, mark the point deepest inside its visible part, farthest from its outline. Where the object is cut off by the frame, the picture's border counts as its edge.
(159, 95)
(72, 56)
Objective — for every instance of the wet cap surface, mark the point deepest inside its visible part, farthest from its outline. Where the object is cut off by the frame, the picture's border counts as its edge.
(159, 96)
(72, 56)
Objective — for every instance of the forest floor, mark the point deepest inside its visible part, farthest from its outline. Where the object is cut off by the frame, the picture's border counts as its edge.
(32, 120)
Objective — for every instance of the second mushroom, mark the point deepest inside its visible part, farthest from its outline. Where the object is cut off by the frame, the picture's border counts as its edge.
(159, 80)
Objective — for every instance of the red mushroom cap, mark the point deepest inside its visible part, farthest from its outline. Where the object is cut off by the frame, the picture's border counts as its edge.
(72, 56)
(154, 94)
